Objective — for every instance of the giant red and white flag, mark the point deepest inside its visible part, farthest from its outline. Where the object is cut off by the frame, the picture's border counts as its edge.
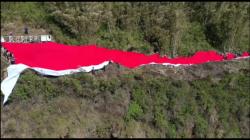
(56, 59)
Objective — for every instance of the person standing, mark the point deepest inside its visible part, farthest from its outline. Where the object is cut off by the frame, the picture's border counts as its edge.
(12, 59)
(26, 30)
(11, 37)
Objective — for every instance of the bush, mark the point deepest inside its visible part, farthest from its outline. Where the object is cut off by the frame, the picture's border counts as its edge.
(134, 112)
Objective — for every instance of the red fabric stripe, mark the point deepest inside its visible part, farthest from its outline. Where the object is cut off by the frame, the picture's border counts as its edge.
(55, 56)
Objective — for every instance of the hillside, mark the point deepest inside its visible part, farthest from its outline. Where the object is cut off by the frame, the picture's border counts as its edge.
(209, 100)
(168, 28)
(199, 101)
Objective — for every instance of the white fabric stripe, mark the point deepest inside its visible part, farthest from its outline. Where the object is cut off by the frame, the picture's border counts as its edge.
(14, 72)
(8, 83)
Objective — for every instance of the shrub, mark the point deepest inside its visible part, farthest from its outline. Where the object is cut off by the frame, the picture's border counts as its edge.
(134, 111)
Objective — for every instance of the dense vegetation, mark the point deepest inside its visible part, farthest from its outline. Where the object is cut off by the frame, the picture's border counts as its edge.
(210, 100)
(137, 103)
(179, 28)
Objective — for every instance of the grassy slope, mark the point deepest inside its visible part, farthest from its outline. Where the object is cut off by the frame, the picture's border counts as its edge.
(183, 102)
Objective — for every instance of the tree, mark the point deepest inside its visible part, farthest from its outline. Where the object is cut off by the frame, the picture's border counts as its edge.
(178, 24)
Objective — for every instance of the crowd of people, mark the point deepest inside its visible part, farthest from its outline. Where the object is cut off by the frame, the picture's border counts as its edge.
(8, 55)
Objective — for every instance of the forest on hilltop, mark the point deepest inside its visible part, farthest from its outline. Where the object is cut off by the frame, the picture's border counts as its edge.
(171, 28)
